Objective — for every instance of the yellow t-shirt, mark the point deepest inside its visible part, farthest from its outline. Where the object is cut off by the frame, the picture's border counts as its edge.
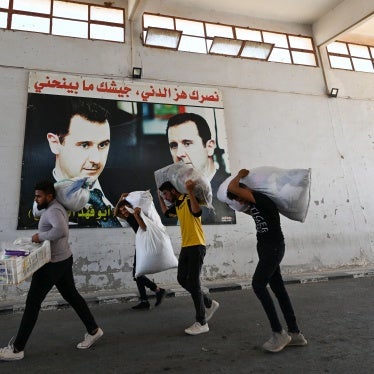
(190, 224)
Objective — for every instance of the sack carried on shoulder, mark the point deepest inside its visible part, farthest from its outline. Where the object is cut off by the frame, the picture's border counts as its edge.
(178, 174)
(288, 188)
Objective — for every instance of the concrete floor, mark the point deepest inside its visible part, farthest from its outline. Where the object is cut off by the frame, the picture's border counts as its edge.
(337, 318)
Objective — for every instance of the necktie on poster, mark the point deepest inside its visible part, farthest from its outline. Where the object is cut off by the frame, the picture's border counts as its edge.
(96, 200)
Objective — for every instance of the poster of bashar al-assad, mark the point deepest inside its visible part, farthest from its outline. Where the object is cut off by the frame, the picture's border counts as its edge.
(114, 135)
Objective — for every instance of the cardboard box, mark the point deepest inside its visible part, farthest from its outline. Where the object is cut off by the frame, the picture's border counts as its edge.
(15, 270)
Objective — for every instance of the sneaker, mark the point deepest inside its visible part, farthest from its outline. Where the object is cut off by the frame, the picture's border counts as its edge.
(277, 342)
(160, 296)
(90, 339)
(297, 339)
(197, 328)
(8, 354)
(143, 305)
(210, 311)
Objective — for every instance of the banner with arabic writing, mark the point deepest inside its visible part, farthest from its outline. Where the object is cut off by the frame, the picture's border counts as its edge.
(110, 136)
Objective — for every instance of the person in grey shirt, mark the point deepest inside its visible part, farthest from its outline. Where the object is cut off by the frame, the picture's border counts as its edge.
(53, 226)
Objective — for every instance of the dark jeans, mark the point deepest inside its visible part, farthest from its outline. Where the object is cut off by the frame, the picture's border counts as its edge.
(142, 282)
(189, 270)
(57, 274)
(268, 272)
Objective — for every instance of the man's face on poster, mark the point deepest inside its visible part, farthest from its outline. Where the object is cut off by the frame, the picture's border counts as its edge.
(84, 150)
(186, 145)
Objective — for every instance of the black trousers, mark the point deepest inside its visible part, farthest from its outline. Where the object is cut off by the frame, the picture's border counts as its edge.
(268, 272)
(59, 274)
(189, 269)
(142, 282)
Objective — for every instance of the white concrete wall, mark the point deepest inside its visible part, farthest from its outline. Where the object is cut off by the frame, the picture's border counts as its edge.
(275, 114)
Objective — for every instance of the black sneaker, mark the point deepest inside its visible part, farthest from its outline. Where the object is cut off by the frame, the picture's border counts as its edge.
(143, 305)
(160, 296)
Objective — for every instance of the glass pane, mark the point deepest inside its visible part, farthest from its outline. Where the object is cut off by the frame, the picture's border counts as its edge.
(158, 21)
(3, 20)
(359, 50)
(218, 30)
(162, 38)
(107, 14)
(372, 52)
(116, 34)
(70, 28)
(363, 65)
(4, 3)
(30, 23)
(300, 43)
(245, 34)
(222, 46)
(338, 47)
(280, 55)
(256, 50)
(70, 10)
(304, 58)
(280, 40)
(36, 6)
(192, 44)
(340, 62)
(190, 27)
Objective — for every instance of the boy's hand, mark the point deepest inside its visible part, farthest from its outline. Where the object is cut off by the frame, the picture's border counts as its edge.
(137, 211)
(243, 173)
(190, 185)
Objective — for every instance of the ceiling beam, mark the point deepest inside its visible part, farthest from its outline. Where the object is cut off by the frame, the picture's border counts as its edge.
(133, 6)
(346, 15)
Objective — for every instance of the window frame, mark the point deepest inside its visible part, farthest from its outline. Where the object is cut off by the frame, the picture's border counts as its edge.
(208, 40)
(351, 57)
(11, 11)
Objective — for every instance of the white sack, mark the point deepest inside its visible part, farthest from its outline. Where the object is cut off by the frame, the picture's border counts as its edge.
(288, 188)
(154, 251)
(73, 194)
(178, 174)
(144, 201)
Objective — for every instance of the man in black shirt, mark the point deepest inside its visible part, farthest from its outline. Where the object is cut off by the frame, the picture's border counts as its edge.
(270, 249)
(136, 221)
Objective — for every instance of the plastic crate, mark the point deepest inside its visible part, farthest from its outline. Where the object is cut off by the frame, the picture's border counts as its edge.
(14, 270)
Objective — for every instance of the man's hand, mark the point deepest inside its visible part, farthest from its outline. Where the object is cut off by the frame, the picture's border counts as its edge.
(190, 185)
(243, 173)
(35, 238)
(124, 195)
(137, 211)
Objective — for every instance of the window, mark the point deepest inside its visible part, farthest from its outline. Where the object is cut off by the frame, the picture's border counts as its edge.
(348, 56)
(227, 40)
(66, 18)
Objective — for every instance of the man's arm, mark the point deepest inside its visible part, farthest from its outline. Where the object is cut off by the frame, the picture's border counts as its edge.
(139, 219)
(242, 193)
(59, 229)
(195, 206)
(116, 212)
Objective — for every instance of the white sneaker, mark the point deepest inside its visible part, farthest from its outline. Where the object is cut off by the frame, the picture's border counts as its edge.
(297, 339)
(90, 339)
(8, 354)
(197, 328)
(277, 342)
(210, 311)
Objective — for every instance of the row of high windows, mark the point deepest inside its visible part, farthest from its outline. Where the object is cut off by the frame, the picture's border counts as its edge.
(64, 18)
(88, 21)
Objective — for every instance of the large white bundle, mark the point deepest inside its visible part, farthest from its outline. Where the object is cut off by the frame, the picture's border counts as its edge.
(288, 188)
(144, 201)
(73, 194)
(178, 174)
(154, 251)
